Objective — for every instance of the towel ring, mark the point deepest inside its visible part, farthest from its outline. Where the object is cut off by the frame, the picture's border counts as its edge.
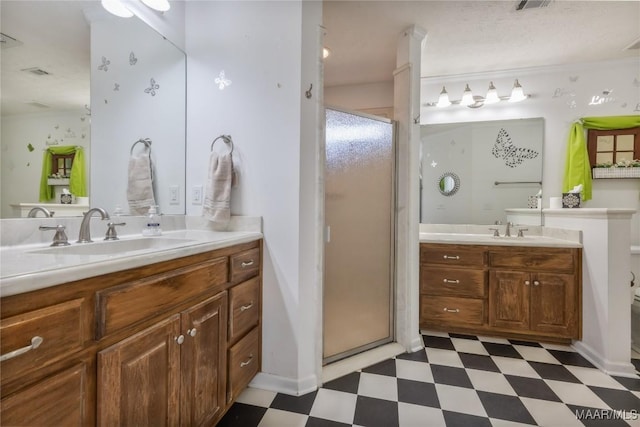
(145, 141)
(227, 139)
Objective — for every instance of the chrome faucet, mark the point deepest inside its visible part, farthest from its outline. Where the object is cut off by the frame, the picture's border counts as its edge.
(85, 226)
(507, 230)
(47, 213)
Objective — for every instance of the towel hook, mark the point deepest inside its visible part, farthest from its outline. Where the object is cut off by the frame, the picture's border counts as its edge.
(145, 141)
(227, 139)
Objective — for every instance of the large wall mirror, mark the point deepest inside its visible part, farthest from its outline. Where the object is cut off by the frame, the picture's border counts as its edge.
(75, 76)
(495, 168)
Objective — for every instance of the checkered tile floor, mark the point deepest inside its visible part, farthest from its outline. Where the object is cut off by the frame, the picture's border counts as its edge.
(457, 380)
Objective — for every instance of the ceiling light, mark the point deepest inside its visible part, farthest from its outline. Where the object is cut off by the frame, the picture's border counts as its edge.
(117, 8)
(492, 95)
(467, 97)
(325, 52)
(443, 100)
(517, 94)
(159, 5)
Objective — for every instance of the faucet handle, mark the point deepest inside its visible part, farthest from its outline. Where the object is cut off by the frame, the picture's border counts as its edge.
(496, 232)
(111, 230)
(521, 231)
(60, 238)
(497, 222)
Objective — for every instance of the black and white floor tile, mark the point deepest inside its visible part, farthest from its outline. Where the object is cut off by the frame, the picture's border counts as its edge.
(457, 380)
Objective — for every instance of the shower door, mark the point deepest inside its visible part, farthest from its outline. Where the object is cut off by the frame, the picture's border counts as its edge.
(359, 244)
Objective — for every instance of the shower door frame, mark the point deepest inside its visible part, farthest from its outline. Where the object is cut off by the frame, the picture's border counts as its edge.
(393, 236)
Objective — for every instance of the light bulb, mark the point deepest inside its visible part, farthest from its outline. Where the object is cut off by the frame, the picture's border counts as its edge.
(116, 7)
(325, 52)
(517, 94)
(467, 97)
(443, 99)
(492, 95)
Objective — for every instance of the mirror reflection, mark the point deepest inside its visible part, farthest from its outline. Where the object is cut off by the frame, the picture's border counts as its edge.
(50, 101)
(482, 171)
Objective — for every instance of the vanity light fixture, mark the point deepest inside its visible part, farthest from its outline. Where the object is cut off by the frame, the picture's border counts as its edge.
(517, 93)
(467, 97)
(443, 100)
(471, 101)
(116, 7)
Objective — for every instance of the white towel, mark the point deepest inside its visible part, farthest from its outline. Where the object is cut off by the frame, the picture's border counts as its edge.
(217, 195)
(140, 184)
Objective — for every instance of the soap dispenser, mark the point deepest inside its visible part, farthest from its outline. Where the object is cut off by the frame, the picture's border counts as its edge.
(152, 225)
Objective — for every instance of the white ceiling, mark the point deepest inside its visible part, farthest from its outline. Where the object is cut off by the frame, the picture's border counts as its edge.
(462, 37)
(474, 36)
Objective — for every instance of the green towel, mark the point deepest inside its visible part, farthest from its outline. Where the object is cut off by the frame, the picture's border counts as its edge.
(577, 169)
(77, 181)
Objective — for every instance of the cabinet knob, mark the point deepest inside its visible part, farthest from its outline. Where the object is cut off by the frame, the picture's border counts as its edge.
(536, 283)
(526, 282)
(192, 332)
(180, 339)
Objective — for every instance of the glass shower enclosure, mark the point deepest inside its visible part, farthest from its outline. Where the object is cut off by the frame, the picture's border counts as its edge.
(360, 233)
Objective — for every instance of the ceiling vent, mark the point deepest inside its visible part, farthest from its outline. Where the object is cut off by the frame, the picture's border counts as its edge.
(532, 4)
(37, 71)
(8, 41)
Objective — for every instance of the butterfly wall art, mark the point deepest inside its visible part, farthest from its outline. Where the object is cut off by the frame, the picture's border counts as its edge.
(512, 155)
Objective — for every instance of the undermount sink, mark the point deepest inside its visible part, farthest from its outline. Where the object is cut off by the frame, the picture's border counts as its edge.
(113, 247)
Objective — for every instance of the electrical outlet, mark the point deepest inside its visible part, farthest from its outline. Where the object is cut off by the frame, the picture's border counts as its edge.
(196, 195)
(174, 195)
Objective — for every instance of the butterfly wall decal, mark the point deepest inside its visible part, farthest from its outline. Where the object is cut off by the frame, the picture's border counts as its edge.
(105, 64)
(512, 155)
(152, 88)
(132, 59)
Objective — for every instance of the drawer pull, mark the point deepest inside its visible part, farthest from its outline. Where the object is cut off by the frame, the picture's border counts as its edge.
(192, 332)
(35, 343)
(536, 283)
(180, 339)
(451, 257)
(526, 282)
(246, 307)
(246, 264)
(249, 360)
(451, 281)
(452, 310)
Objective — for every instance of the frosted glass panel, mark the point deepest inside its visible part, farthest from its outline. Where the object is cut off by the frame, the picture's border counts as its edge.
(358, 256)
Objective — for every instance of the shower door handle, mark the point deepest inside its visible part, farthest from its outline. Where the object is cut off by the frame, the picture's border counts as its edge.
(327, 234)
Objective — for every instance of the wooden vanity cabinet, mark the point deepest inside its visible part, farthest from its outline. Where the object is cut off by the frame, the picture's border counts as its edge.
(515, 292)
(147, 346)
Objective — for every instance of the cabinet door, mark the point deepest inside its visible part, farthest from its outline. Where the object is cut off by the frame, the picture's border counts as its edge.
(554, 304)
(203, 361)
(58, 400)
(139, 378)
(509, 299)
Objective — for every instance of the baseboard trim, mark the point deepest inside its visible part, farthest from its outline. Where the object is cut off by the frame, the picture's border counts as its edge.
(620, 369)
(360, 361)
(285, 385)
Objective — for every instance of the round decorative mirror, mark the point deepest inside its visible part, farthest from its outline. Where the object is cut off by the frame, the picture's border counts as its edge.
(448, 184)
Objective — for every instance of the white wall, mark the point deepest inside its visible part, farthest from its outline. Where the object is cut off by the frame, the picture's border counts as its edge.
(21, 168)
(560, 95)
(258, 46)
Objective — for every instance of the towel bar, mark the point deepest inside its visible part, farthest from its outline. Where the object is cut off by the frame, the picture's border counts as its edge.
(145, 141)
(226, 138)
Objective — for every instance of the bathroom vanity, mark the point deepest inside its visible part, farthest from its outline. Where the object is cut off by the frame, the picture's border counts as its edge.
(522, 288)
(169, 342)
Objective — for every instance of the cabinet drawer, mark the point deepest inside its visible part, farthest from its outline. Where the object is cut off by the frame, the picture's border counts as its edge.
(245, 264)
(451, 311)
(244, 363)
(459, 255)
(452, 281)
(63, 328)
(124, 305)
(244, 312)
(549, 259)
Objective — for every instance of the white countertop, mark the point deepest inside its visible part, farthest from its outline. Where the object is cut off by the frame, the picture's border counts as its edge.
(482, 239)
(24, 271)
